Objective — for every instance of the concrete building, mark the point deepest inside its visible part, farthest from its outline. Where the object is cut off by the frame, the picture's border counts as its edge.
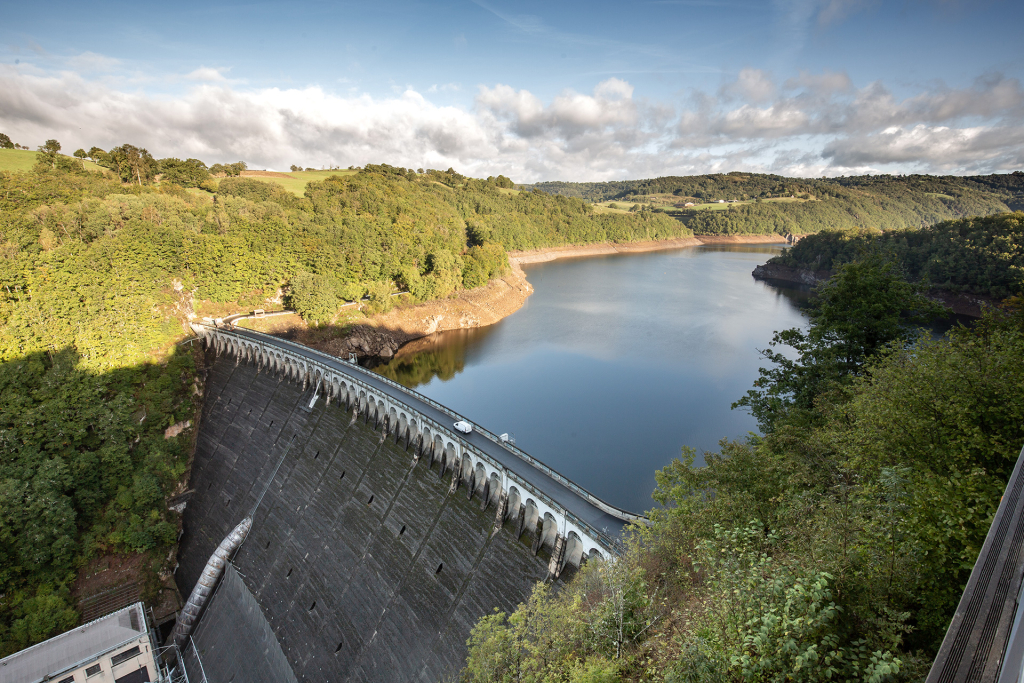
(112, 649)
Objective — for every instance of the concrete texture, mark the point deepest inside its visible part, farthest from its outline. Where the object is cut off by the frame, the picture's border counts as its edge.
(363, 565)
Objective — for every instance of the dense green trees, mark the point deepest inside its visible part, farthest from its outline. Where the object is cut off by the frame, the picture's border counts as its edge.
(5, 141)
(188, 173)
(132, 164)
(97, 275)
(834, 547)
(980, 255)
(866, 307)
(883, 202)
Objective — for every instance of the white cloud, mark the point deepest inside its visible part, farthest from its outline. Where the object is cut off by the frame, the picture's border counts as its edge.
(206, 74)
(752, 85)
(815, 124)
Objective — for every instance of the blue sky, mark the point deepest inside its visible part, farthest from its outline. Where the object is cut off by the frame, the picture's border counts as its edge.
(534, 90)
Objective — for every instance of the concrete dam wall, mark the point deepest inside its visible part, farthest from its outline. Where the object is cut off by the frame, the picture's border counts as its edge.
(365, 561)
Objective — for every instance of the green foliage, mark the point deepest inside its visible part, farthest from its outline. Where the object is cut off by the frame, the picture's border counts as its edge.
(36, 618)
(973, 255)
(314, 297)
(577, 635)
(864, 308)
(188, 173)
(5, 142)
(48, 153)
(881, 202)
(229, 170)
(832, 548)
(132, 164)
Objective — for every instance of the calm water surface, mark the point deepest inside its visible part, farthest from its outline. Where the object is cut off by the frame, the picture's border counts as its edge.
(615, 362)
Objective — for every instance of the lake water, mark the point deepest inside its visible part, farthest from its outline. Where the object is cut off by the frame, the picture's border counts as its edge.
(615, 362)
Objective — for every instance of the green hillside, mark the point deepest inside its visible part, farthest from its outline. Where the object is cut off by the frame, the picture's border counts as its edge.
(24, 160)
(751, 203)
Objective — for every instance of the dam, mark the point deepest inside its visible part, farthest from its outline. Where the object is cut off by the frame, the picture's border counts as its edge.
(376, 535)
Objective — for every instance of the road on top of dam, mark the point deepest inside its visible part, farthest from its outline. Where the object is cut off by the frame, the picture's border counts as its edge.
(579, 506)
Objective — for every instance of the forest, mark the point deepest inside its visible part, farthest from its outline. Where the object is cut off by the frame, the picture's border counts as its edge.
(883, 202)
(981, 255)
(834, 547)
(99, 273)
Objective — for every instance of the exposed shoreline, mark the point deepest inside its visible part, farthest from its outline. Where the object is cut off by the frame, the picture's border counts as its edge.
(606, 248)
(962, 304)
(382, 335)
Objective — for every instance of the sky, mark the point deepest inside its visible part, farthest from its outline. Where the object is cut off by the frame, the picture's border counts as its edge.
(578, 91)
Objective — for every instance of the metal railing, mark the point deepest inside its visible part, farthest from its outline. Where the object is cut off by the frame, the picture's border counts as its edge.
(514, 450)
(326, 362)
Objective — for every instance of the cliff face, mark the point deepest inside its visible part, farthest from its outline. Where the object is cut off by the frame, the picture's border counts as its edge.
(362, 563)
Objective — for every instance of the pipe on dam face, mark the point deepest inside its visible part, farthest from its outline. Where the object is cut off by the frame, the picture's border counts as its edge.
(208, 581)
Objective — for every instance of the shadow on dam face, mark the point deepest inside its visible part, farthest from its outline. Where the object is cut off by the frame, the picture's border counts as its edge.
(360, 565)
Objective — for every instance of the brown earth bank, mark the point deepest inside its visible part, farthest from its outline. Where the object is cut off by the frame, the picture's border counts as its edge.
(379, 336)
(961, 304)
(578, 251)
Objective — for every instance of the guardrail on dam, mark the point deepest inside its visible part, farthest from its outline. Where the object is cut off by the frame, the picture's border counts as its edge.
(364, 561)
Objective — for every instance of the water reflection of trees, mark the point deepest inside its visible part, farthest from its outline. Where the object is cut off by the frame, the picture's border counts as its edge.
(419, 368)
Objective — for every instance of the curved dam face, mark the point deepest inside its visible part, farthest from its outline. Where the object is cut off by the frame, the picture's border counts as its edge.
(364, 561)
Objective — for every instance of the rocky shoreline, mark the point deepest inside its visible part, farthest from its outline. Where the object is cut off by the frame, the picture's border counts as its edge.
(962, 304)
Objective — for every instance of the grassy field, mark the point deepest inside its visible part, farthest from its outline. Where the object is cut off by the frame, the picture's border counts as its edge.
(294, 182)
(25, 159)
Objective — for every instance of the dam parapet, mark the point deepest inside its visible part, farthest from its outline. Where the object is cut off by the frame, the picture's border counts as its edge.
(379, 536)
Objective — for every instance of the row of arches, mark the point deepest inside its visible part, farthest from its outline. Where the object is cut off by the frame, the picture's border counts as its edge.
(516, 505)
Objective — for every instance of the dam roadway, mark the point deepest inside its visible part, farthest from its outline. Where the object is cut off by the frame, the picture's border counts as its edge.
(379, 535)
(602, 517)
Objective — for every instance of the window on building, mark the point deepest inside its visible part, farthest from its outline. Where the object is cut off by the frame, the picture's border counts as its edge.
(125, 656)
(92, 670)
(69, 679)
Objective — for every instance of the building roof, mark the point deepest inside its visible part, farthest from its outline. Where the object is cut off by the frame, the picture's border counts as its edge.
(74, 648)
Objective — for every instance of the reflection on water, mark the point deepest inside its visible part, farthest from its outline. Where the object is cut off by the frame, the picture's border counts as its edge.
(615, 362)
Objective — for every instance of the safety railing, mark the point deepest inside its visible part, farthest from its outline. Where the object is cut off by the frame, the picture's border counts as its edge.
(330, 362)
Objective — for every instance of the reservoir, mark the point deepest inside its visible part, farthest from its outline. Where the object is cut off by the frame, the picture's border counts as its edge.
(615, 362)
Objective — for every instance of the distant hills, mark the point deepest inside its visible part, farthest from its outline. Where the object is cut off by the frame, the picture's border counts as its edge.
(753, 203)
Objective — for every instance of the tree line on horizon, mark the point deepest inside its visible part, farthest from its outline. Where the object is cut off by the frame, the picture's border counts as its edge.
(842, 203)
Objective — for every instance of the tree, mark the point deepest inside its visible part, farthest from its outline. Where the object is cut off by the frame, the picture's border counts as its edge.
(133, 164)
(314, 297)
(5, 142)
(188, 173)
(80, 153)
(48, 153)
(862, 309)
(96, 154)
(295, 168)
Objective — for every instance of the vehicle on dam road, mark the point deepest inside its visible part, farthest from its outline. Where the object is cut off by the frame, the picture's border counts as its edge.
(463, 426)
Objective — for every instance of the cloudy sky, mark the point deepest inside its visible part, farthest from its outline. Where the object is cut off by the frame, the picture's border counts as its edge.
(535, 90)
